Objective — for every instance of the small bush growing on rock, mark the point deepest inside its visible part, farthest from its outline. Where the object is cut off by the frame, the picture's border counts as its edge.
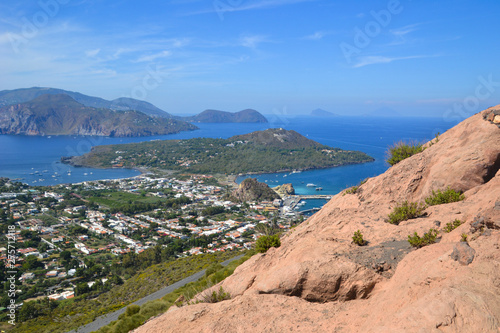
(405, 211)
(215, 296)
(401, 150)
(442, 197)
(450, 226)
(354, 189)
(464, 238)
(427, 239)
(358, 238)
(264, 243)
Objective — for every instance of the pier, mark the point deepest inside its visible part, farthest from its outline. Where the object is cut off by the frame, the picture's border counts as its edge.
(294, 200)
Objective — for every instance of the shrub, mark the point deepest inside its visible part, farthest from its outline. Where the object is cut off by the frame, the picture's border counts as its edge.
(442, 197)
(264, 243)
(464, 238)
(450, 226)
(358, 238)
(132, 309)
(216, 296)
(213, 268)
(405, 211)
(351, 190)
(354, 189)
(427, 239)
(401, 150)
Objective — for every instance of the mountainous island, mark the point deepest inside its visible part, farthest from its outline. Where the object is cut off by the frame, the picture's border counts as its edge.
(322, 113)
(17, 96)
(348, 269)
(60, 114)
(272, 150)
(216, 116)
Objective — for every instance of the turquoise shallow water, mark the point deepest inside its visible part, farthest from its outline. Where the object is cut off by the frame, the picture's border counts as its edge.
(35, 160)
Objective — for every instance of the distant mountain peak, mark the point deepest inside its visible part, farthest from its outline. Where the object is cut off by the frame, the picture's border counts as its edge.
(217, 116)
(322, 113)
(277, 137)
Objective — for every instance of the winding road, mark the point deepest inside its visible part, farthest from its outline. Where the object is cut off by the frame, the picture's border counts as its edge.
(108, 318)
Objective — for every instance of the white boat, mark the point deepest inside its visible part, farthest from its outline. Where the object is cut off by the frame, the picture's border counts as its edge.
(311, 185)
(85, 174)
(319, 189)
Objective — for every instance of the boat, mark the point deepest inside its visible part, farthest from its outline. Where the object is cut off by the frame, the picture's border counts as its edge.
(319, 189)
(311, 185)
(85, 174)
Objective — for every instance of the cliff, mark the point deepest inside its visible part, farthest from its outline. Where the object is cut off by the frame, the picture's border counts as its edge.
(319, 281)
(62, 115)
(284, 190)
(252, 190)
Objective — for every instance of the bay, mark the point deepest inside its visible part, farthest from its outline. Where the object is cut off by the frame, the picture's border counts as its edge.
(35, 160)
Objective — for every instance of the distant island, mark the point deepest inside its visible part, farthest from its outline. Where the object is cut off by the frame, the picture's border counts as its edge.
(322, 113)
(216, 116)
(60, 114)
(17, 96)
(272, 150)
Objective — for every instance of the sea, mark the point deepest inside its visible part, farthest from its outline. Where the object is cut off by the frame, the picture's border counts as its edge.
(35, 160)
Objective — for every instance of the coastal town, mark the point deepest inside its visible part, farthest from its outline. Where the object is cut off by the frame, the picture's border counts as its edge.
(60, 231)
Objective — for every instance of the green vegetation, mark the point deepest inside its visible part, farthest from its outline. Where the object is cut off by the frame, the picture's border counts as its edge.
(223, 156)
(406, 211)
(183, 295)
(130, 203)
(427, 239)
(69, 314)
(358, 238)
(354, 189)
(264, 243)
(464, 238)
(450, 226)
(401, 150)
(215, 296)
(442, 197)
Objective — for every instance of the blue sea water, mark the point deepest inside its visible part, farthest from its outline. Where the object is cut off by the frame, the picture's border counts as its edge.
(35, 160)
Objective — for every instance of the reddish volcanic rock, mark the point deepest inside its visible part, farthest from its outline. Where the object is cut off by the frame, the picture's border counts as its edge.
(319, 281)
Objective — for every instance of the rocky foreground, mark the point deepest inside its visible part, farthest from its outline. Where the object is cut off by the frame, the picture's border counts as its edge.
(319, 281)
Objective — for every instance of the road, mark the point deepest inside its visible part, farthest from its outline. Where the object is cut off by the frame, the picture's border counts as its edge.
(108, 318)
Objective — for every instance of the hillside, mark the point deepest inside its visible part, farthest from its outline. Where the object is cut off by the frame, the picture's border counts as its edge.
(278, 138)
(216, 116)
(319, 281)
(17, 96)
(272, 150)
(62, 115)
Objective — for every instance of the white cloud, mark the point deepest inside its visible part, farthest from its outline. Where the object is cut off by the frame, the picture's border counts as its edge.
(252, 41)
(317, 35)
(92, 53)
(152, 57)
(252, 6)
(372, 60)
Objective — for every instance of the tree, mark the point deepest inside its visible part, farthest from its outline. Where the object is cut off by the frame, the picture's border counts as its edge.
(65, 255)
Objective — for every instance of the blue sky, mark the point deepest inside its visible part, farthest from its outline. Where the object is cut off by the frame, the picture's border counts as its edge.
(437, 58)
